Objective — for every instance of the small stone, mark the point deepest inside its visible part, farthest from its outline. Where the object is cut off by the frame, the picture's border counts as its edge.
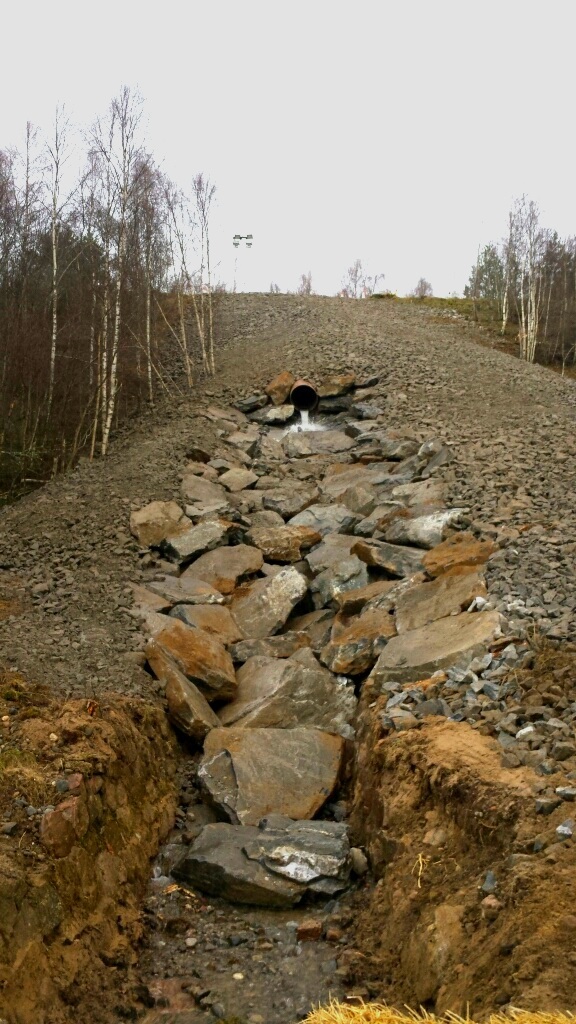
(491, 907)
(309, 930)
(191, 942)
(547, 804)
(358, 861)
(562, 750)
(9, 828)
(566, 792)
(566, 829)
(490, 884)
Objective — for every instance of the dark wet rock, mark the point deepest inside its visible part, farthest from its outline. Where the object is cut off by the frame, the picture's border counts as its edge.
(252, 403)
(272, 866)
(249, 773)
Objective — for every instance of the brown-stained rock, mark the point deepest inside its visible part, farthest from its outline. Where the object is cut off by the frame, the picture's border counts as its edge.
(283, 543)
(201, 657)
(212, 618)
(450, 642)
(281, 694)
(316, 625)
(187, 589)
(185, 541)
(396, 560)
(350, 602)
(187, 708)
(355, 649)
(262, 608)
(238, 479)
(458, 554)
(250, 773)
(289, 503)
(446, 595)
(198, 491)
(339, 384)
(61, 828)
(151, 524)
(278, 390)
(424, 531)
(335, 547)
(281, 646)
(224, 567)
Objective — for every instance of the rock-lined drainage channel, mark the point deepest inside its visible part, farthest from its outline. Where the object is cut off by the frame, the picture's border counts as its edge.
(295, 569)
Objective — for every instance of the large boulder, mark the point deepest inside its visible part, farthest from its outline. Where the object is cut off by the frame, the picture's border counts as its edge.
(333, 550)
(281, 646)
(444, 596)
(249, 773)
(187, 708)
(289, 503)
(350, 573)
(424, 531)
(186, 589)
(238, 479)
(212, 618)
(396, 560)
(151, 524)
(282, 543)
(198, 491)
(339, 384)
(224, 567)
(446, 643)
(460, 553)
(262, 608)
(355, 649)
(282, 694)
(301, 444)
(278, 390)
(201, 657)
(274, 865)
(326, 519)
(184, 541)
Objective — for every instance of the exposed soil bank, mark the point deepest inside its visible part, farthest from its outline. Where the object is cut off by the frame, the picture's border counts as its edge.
(474, 906)
(72, 882)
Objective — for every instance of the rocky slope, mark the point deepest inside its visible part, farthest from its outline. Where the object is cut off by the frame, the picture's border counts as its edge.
(283, 576)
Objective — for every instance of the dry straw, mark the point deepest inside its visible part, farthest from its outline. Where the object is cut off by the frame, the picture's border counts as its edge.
(372, 1013)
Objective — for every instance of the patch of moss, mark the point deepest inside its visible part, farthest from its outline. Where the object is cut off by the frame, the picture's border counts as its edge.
(31, 712)
(11, 695)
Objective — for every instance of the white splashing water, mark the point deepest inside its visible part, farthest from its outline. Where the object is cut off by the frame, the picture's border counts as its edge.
(305, 419)
(305, 424)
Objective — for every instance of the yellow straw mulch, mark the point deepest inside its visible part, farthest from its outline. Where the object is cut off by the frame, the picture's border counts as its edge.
(373, 1013)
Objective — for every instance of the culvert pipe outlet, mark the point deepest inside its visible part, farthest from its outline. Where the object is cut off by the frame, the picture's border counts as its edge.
(304, 396)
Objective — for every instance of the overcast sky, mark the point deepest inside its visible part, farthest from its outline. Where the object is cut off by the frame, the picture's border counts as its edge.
(397, 133)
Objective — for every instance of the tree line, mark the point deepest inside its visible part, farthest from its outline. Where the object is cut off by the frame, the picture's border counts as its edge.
(104, 262)
(527, 282)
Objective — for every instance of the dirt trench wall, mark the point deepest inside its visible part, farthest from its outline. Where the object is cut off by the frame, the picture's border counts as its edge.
(437, 813)
(70, 893)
